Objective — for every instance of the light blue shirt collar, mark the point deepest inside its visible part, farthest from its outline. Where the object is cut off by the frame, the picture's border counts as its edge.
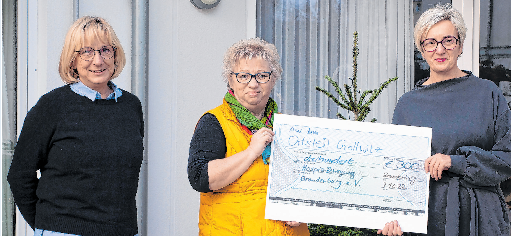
(83, 90)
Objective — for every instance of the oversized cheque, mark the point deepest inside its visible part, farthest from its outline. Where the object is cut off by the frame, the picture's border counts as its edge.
(348, 173)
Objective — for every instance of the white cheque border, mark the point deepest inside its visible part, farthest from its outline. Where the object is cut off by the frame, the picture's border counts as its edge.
(321, 212)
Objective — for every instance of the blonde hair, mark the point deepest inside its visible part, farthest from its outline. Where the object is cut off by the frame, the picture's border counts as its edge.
(88, 27)
(248, 49)
(435, 15)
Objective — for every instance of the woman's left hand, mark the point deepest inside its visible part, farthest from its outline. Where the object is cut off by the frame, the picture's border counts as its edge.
(293, 223)
(436, 164)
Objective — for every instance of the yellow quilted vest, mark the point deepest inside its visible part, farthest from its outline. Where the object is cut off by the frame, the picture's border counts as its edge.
(238, 209)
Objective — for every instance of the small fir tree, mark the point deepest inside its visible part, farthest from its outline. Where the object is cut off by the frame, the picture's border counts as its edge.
(350, 100)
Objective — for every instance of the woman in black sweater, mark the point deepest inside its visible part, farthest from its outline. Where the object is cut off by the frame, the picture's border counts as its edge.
(85, 138)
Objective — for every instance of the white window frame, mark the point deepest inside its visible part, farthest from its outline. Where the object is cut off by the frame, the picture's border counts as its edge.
(470, 9)
(251, 18)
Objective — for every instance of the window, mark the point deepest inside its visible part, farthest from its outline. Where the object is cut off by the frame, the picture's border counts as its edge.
(495, 44)
(315, 39)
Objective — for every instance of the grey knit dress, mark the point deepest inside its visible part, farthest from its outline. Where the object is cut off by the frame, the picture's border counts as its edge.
(472, 123)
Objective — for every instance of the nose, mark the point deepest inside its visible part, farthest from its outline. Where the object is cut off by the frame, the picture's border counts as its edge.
(253, 82)
(98, 59)
(440, 48)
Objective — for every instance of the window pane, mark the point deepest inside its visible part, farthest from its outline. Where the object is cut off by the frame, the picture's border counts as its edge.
(306, 34)
(315, 38)
(495, 43)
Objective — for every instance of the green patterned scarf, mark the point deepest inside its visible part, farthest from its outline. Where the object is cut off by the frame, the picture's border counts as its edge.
(249, 122)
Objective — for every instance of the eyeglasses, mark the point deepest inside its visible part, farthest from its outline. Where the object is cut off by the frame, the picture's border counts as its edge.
(87, 53)
(245, 78)
(430, 45)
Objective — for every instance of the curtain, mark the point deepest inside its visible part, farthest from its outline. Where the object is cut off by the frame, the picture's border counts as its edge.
(315, 38)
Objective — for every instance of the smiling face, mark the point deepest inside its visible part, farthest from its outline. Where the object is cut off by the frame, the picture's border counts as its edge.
(442, 62)
(252, 95)
(96, 72)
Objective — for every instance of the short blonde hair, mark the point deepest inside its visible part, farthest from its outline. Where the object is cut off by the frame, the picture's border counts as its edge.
(248, 49)
(435, 15)
(88, 27)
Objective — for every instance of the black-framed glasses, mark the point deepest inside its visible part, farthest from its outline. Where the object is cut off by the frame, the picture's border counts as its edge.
(87, 53)
(245, 78)
(448, 42)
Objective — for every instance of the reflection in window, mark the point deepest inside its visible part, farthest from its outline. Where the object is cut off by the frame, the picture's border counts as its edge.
(418, 7)
(495, 43)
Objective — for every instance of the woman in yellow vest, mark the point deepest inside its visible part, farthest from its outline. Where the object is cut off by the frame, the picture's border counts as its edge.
(230, 148)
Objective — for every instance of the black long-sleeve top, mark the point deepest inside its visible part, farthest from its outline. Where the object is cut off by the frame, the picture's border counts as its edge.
(207, 144)
(89, 154)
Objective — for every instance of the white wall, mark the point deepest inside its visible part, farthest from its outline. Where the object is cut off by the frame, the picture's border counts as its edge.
(118, 14)
(42, 27)
(186, 47)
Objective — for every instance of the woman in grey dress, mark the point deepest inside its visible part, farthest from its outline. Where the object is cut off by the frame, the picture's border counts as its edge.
(471, 143)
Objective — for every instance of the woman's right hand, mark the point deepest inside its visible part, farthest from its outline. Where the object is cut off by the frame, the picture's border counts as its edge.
(436, 164)
(224, 171)
(391, 228)
(260, 140)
